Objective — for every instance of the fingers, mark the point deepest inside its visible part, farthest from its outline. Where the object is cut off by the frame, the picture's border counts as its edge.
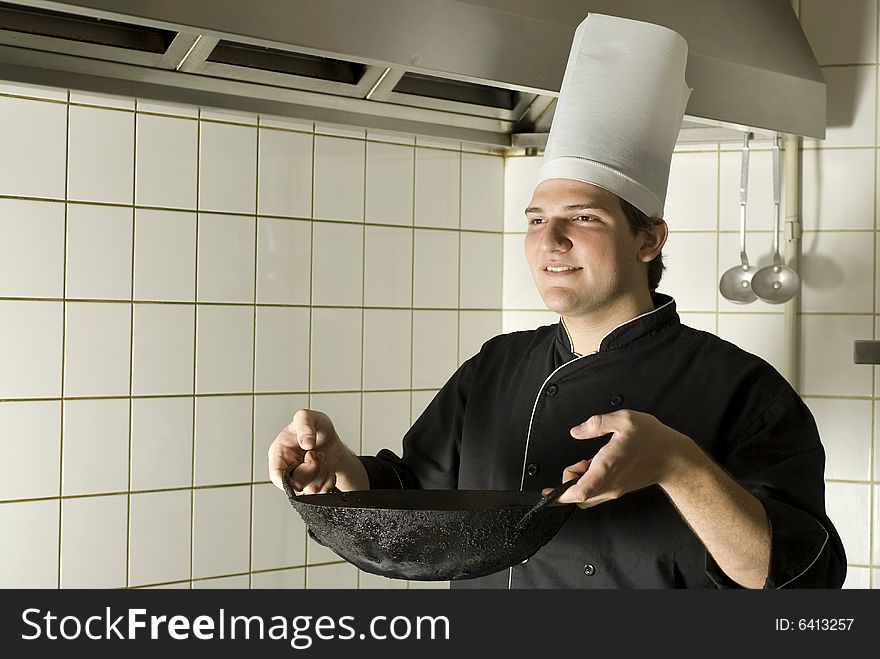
(588, 491)
(313, 476)
(303, 427)
(599, 425)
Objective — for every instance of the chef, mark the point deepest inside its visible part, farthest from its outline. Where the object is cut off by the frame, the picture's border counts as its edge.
(697, 465)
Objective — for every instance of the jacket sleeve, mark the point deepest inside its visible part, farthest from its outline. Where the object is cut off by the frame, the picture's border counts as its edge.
(432, 446)
(779, 458)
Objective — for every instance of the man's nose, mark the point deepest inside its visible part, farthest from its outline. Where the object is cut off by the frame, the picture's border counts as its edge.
(555, 235)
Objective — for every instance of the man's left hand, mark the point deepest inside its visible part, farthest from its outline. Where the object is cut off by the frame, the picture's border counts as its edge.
(642, 451)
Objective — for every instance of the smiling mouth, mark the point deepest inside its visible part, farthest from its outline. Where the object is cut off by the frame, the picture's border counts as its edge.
(560, 268)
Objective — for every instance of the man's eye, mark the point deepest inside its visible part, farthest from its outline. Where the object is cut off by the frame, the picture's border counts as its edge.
(536, 220)
(586, 218)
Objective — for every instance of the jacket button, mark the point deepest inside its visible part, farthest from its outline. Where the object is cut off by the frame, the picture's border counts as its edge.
(616, 400)
(589, 569)
(533, 469)
(552, 389)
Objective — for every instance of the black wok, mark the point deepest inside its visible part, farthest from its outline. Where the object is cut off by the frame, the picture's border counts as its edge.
(432, 535)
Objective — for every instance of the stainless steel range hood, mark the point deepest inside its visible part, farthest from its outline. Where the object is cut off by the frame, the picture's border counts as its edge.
(484, 71)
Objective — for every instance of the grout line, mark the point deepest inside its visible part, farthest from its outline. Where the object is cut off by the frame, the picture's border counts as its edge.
(254, 366)
(311, 313)
(363, 398)
(131, 361)
(192, 515)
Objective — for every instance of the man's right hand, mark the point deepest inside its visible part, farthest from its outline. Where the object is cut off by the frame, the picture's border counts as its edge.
(310, 442)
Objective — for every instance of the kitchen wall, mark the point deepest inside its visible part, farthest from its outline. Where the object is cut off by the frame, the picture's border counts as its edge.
(840, 300)
(174, 283)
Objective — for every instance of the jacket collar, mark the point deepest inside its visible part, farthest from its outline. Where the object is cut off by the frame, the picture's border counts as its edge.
(663, 314)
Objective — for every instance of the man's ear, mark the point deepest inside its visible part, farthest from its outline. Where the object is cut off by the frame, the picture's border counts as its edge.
(654, 239)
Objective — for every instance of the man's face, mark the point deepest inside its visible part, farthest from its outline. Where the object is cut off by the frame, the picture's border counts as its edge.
(580, 248)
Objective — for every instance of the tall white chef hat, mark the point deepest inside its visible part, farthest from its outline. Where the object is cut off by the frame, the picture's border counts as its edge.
(619, 111)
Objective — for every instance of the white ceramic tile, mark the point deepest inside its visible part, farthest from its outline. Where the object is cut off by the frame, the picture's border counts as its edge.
(692, 195)
(33, 91)
(94, 535)
(282, 352)
(517, 321)
(162, 107)
(344, 411)
(437, 143)
(838, 189)
(435, 347)
(700, 321)
(31, 248)
(837, 270)
(857, 578)
(239, 582)
(827, 367)
(435, 272)
(95, 449)
(161, 443)
(98, 351)
(481, 270)
(759, 247)
(388, 267)
(759, 334)
(29, 450)
(877, 448)
(475, 328)
(100, 155)
(177, 585)
(367, 581)
(518, 286)
(285, 173)
(341, 131)
(389, 183)
(691, 266)
(387, 348)
(34, 139)
(287, 123)
(227, 168)
(288, 579)
(279, 534)
(396, 138)
(438, 188)
(101, 100)
(29, 551)
(851, 100)
(420, 402)
(336, 349)
(30, 349)
(520, 174)
(317, 553)
(759, 207)
(223, 440)
(845, 429)
(164, 255)
(161, 527)
(271, 414)
(841, 33)
(386, 421)
(339, 178)
(224, 349)
(338, 575)
(875, 578)
(482, 192)
(847, 505)
(167, 162)
(221, 521)
(232, 116)
(337, 264)
(226, 266)
(162, 352)
(429, 585)
(99, 252)
(284, 261)
(876, 525)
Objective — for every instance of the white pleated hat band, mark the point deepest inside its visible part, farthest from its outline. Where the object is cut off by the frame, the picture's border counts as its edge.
(619, 111)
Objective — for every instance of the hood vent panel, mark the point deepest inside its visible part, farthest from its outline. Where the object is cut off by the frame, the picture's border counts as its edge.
(298, 64)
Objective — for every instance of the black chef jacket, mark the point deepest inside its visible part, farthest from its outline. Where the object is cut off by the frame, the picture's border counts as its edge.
(502, 422)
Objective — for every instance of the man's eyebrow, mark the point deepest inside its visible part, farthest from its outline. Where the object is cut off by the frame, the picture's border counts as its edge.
(571, 207)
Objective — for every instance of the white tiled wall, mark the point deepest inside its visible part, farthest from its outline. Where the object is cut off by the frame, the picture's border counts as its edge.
(839, 265)
(175, 283)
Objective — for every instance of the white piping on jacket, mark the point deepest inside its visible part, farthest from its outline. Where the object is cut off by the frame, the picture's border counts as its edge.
(813, 561)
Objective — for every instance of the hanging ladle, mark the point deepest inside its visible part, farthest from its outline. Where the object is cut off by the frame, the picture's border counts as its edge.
(776, 283)
(736, 283)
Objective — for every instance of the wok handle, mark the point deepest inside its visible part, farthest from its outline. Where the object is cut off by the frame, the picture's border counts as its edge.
(545, 501)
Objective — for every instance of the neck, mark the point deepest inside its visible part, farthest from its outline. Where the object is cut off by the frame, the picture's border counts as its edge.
(588, 330)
